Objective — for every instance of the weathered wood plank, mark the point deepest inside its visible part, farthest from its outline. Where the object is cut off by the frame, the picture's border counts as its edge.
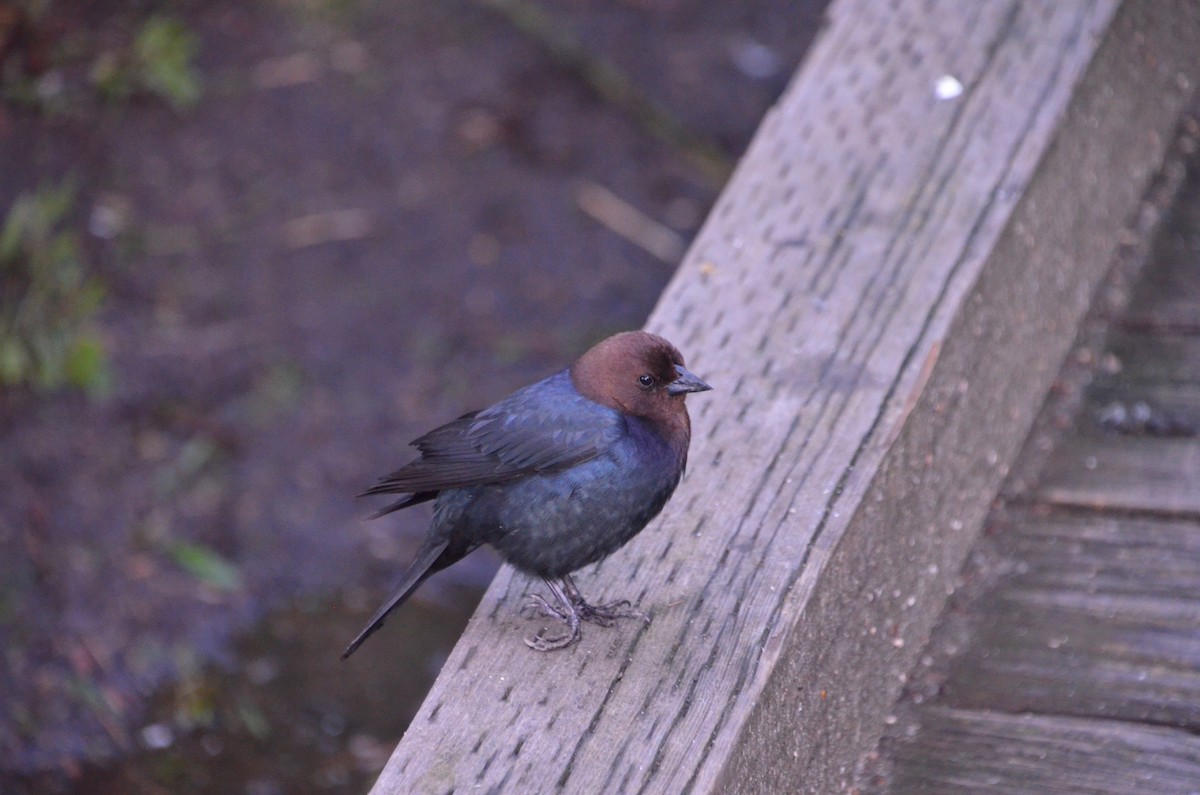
(881, 298)
(1125, 472)
(1165, 410)
(1168, 296)
(1148, 358)
(948, 751)
(1098, 617)
(1150, 382)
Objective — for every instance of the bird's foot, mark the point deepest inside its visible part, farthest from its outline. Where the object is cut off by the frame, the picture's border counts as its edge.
(540, 605)
(572, 610)
(607, 614)
(565, 610)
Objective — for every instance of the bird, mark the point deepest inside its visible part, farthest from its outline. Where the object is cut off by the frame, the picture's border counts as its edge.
(558, 475)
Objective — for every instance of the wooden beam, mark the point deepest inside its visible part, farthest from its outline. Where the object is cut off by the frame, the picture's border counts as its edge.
(881, 298)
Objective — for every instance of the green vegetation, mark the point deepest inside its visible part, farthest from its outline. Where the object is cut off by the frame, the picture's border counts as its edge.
(65, 74)
(158, 63)
(47, 299)
(253, 719)
(207, 566)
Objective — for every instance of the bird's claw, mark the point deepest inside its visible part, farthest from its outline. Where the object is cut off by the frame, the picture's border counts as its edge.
(540, 642)
(539, 605)
(606, 615)
(567, 614)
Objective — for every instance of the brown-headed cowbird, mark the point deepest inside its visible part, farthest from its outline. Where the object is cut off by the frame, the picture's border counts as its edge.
(557, 475)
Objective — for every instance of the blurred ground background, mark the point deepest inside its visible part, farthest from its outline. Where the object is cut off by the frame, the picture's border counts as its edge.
(247, 252)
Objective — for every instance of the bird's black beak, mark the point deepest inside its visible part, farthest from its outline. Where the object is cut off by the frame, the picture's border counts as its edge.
(686, 382)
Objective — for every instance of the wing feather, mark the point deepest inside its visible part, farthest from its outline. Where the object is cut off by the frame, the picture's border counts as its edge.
(545, 427)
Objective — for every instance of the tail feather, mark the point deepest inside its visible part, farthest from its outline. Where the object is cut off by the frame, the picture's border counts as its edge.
(409, 498)
(427, 563)
(404, 502)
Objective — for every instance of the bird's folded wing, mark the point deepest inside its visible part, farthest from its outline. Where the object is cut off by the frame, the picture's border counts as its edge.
(543, 428)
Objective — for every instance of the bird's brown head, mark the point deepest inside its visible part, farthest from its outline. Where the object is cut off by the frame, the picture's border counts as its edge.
(641, 374)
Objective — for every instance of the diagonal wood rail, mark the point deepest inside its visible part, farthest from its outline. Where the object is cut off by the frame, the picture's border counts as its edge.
(881, 298)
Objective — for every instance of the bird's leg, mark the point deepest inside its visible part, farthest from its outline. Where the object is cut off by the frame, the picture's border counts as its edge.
(605, 615)
(566, 612)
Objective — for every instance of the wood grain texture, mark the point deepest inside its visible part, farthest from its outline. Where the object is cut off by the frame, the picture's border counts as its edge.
(991, 753)
(1069, 660)
(1151, 386)
(1157, 358)
(1155, 468)
(1099, 617)
(1169, 300)
(1092, 614)
(880, 299)
(1120, 472)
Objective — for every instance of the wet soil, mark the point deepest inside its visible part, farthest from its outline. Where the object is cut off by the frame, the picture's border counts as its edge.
(379, 216)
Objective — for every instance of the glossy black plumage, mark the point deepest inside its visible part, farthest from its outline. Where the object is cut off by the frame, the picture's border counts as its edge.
(556, 476)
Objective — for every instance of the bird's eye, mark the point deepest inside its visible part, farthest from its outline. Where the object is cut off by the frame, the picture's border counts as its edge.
(646, 381)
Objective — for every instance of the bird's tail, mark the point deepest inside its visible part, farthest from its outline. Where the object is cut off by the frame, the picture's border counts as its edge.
(426, 563)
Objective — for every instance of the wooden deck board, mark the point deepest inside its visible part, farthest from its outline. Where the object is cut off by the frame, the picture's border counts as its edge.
(949, 751)
(1157, 358)
(881, 299)
(1099, 617)
(1171, 410)
(1169, 299)
(1125, 473)
(1134, 447)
